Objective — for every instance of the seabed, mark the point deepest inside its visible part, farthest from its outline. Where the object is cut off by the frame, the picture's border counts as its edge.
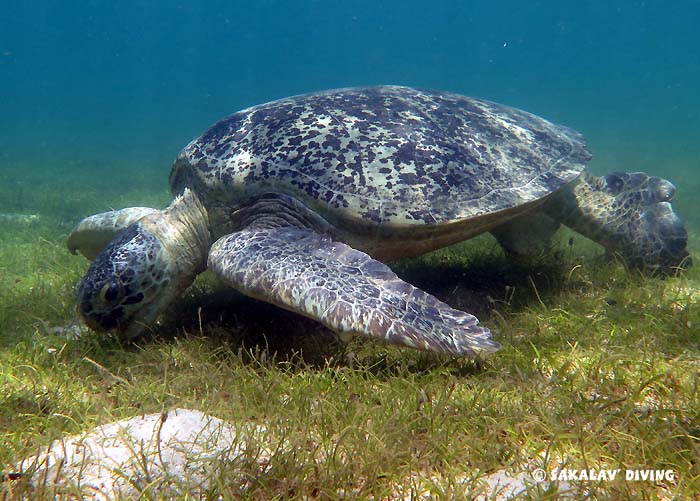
(598, 370)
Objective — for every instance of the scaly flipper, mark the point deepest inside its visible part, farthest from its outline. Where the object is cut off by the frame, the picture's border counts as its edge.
(527, 235)
(628, 213)
(343, 288)
(93, 233)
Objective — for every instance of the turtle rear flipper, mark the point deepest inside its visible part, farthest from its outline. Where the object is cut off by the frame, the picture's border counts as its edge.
(628, 213)
(93, 233)
(343, 288)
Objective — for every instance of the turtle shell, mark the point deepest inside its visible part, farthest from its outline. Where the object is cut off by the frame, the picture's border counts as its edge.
(387, 155)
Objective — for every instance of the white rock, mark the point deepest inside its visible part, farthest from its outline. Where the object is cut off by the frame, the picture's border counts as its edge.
(170, 454)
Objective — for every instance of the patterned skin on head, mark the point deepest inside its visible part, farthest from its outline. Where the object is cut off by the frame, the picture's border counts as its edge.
(144, 267)
(126, 282)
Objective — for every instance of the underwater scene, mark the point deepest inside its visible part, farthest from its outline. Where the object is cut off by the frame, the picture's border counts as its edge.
(385, 287)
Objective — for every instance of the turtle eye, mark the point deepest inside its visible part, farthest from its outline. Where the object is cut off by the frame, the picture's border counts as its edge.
(111, 292)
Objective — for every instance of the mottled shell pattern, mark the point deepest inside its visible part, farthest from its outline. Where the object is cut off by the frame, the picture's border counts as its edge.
(391, 156)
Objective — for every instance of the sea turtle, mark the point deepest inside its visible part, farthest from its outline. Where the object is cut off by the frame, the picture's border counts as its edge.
(295, 202)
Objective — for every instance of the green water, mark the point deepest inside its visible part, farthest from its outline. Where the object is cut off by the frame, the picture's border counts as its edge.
(98, 97)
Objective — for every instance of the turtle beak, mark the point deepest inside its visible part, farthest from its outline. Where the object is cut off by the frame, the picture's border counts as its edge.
(98, 323)
(127, 284)
(137, 326)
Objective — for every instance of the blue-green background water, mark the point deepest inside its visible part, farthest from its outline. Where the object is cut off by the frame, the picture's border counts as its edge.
(112, 88)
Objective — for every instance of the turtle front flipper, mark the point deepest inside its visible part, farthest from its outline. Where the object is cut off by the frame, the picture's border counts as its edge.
(343, 288)
(93, 233)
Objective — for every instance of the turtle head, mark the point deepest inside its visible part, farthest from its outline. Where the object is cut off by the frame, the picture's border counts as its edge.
(138, 274)
(128, 284)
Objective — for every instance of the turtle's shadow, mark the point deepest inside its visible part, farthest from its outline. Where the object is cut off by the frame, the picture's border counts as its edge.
(489, 281)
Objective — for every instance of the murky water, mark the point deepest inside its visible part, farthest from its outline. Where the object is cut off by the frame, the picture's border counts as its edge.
(106, 93)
